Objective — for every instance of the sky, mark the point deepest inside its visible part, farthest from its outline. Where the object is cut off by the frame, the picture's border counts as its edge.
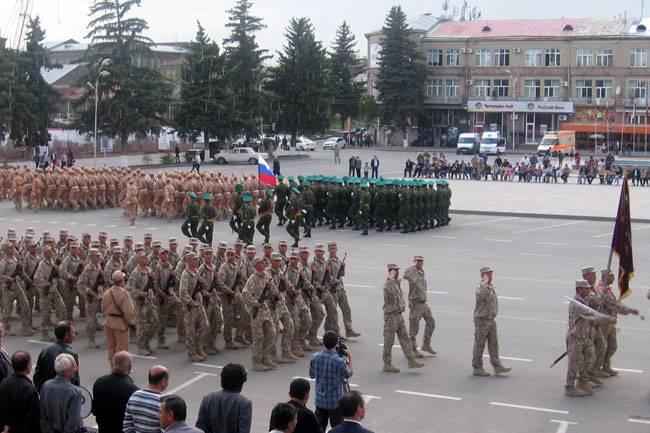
(175, 20)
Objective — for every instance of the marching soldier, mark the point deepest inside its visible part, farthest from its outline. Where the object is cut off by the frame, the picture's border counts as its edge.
(228, 277)
(281, 193)
(12, 286)
(297, 306)
(211, 303)
(394, 322)
(247, 219)
(308, 202)
(418, 308)
(70, 270)
(237, 208)
(279, 309)
(485, 326)
(265, 212)
(336, 269)
(191, 223)
(365, 202)
(256, 293)
(196, 321)
(165, 281)
(46, 280)
(140, 285)
(321, 277)
(594, 300)
(91, 287)
(293, 213)
(208, 214)
(30, 262)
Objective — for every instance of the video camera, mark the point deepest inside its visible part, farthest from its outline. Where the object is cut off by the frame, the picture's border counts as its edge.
(341, 347)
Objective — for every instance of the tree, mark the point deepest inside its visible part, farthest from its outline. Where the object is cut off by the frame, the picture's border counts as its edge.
(345, 66)
(205, 91)
(132, 98)
(300, 80)
(368, 108)
(244, 61)
(400, 81)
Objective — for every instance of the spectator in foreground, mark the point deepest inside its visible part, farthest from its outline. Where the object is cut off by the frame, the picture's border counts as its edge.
(141, 414)
(173, 412)
(227, 411)
(60, 400)
(5, 363)
(64, 333)
(111, 394)
(354, 411)
(19, 403)
(298, 398)
(283, 418)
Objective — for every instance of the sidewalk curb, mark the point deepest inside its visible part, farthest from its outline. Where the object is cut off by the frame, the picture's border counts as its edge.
(157, 165)
(544, 216)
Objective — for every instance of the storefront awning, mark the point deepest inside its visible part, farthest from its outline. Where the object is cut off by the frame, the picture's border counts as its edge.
(614, 128)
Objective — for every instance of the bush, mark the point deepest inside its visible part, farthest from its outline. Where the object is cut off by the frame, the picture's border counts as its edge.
(167, 158)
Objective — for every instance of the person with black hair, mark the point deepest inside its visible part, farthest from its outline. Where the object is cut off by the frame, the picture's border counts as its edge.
(330, 371)
(298, 397)
(65, 334)
(284, 418)
(19, 402)
(173, 412)
(111, 393)
(227, 411)
(141, 414)
(353, 409)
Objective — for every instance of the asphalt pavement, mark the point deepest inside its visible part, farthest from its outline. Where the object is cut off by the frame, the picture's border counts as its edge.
(535, 262)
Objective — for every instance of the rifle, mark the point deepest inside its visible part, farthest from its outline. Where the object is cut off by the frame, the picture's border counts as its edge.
(262, 298)
(198, 287)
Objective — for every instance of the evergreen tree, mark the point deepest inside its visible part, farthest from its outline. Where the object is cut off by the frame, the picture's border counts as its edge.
(244, 61)
(204, 91)
(300, 81)
(401, 72)
(133, 99)
(345, 66)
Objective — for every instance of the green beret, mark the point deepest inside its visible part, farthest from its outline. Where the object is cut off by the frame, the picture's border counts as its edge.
(306, 183)
(239, 187)
(207, 196)
(269, 193)
(280, 177)
(296, 190)
(301, 177)
(247, 197)
(192, 194)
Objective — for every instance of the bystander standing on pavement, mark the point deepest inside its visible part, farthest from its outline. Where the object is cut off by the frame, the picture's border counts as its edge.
(227, 411)
(111, 394)
(276, 166)
(64, 333)
(337, 153)
(283, 418)
(60, 406)
(196, 164)
(172, 416)
(298, 398)
(5, 363)
(352, 164)
(141, 414)
(177, 152)
(19, 402)
(374, 165)
(357, 166)
(354, 411)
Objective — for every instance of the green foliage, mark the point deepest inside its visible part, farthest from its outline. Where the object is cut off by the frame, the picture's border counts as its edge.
(132, 99)
(345, 66)
(205, 91)
(167, 158)
(244, 61)
(401, 72)
(368, 108)
(300, 80)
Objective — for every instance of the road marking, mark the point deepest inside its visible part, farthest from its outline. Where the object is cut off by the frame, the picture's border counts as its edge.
(91, 225)
(143, 356)
(422, 394)
(34, 221)
(363, 286)
(534, 254)
(436, 292)
(18, 220)
(509, 358)
(150, 228)
(393, 245)
(510, 298)
(395, 346)
(604, 235)
(53, 222)
(367, 398)
(187, 383)
(564, 425)
(519, 406)
(112, 226)
(628, 370)
(2, 218)
(72, 223)
(38, 342)
(199, 364)
(536, 280)
(497, 240)
(536, 229)
(639, 420)
(459, 249)
(352, 385)
(444, 237)
(486, 222)
(556, 244)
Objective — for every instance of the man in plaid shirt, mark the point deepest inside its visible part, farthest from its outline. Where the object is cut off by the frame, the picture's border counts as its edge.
(330, 371)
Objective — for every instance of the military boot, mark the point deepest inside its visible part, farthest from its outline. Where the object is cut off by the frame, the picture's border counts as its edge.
(93, 344)
(499, 369)
(414, 364)
(211, 349)
(572, 391)
(298, 352)
(315, 342)
(595, 382)
(602, 374)
(480, 372)
(365, 231)
(232, 345)
(162, 344)
(287, 358)
(142, 351)
(390, 368)
(405, 229)
(267, 362)
(417, 353)
(427, 348)
(305, 348)
(195, 357)
(610, 371)
(258, 366)
(585, 387)
(351, 333)
(28, 330)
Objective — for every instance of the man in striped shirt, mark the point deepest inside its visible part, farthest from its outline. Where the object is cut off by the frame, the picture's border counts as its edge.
(141, 415)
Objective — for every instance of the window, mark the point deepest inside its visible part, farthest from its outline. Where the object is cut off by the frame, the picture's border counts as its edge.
(551, 88)
(452, 88)
(481, 87)
(435, 58)
(434, 88)
(532, 88)
(453, 57)
(603, 89)
(501, 88)
(639, 58)
(483, 57)
(636, 89)
(502, 57)
(605, 57)
(552, 57)
(533, 57)
(585, 57)
(584, 89)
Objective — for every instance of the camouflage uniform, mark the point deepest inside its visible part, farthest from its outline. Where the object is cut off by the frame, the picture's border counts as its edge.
(12, 291)
(91, 286)
(418, 308)
(166, 285)
(145, 309)
(70, 270)
(262, 326)
(580, 350)
(212, 306)
(196, 321)
(281, 314)
(48, 294)
(319, 270)
(299, 311)
(394, 321)
(334, 266)
(485, 326)
(227, 291)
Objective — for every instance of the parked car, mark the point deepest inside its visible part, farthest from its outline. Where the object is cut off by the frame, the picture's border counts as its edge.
(239, 155)
(304, 143)
(331, 143)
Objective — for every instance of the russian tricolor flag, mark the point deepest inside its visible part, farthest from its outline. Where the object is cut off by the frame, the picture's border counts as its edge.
(264, 172)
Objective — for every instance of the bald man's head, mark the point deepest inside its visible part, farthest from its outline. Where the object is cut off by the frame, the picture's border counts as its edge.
(158, 377)
(122, 362)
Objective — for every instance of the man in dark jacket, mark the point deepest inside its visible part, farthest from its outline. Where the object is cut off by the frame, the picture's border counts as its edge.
(19, 403)
(65, 334)
(298, 398)
(111, 393)
(5, 363)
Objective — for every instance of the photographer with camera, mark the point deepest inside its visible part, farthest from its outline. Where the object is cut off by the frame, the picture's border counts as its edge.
(331, 368)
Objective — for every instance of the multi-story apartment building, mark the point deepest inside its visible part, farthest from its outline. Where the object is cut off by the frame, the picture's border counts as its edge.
(526, 76)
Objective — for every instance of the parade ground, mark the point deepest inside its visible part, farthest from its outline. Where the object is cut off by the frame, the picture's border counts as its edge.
(535, 262)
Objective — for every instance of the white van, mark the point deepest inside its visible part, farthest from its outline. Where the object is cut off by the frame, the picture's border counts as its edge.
(492, 144)
(468, 143)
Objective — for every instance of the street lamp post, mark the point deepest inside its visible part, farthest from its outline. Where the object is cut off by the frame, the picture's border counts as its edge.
(100, 74)
(514, 87)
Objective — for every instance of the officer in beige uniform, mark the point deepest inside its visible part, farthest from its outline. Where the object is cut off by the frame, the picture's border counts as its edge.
(117, 306)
